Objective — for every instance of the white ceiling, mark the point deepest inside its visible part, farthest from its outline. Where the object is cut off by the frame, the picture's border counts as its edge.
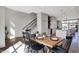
(57, 11)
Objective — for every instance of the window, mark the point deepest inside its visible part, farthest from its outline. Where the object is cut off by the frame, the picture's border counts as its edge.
(68, 24)
(64, 26)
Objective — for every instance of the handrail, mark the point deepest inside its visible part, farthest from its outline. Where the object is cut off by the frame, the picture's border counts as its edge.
(29, 23)
(33, 26)
(29, 26)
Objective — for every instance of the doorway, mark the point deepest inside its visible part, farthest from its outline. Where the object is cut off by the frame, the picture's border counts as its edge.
(71, 26)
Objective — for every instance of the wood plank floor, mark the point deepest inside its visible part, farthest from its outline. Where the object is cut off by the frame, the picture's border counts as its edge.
(11, 42)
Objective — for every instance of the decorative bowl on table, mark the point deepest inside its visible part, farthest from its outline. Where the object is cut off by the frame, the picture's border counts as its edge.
(40, 37)
(54, 38)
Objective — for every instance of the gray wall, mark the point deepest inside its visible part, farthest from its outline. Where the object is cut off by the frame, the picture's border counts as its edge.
(42, 23)
(2, 27)
(16, 21)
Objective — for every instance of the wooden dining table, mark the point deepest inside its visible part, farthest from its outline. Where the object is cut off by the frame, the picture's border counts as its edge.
(46, 41)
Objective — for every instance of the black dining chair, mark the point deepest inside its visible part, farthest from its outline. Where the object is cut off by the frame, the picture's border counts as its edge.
(33, 47)
(64, 48)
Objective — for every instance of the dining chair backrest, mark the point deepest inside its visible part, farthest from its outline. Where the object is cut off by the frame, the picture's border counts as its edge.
(27, 36)
(67, 43)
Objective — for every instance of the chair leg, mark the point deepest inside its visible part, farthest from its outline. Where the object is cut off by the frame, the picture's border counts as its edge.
(34, 51)
(37, 51)
(25, 47)
(28, 49)
(43, 50)
(46, 49)
(31, 50)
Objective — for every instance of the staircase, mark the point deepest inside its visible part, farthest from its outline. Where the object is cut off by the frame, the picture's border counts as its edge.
(30, 26)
